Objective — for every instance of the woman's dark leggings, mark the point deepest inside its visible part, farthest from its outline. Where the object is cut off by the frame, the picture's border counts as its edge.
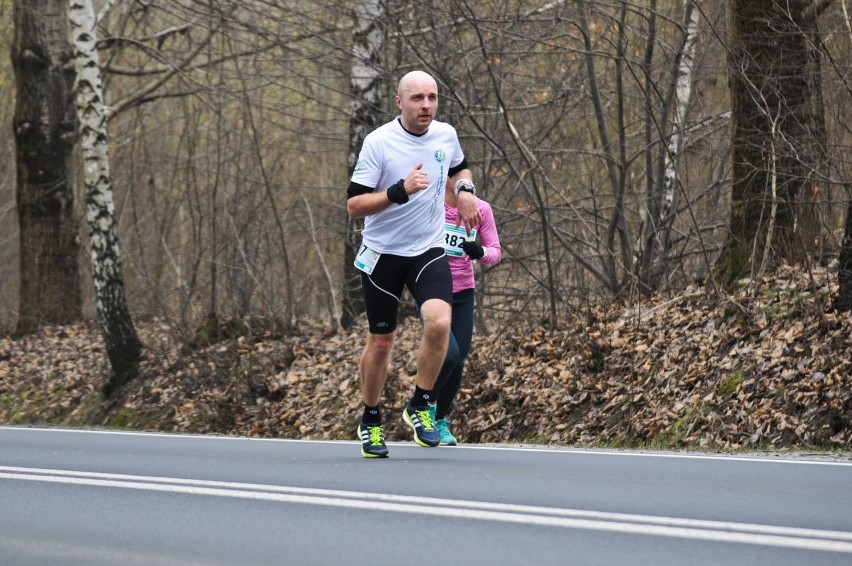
(449, 379)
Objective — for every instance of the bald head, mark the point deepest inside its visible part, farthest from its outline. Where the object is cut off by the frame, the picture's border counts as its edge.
(416, 79)
(417, 100)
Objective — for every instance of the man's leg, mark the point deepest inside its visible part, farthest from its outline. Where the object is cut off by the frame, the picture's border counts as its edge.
(374, 366)
(431, 284)
(437, 318)
(381, 299)
(417, 414)
(373, 369)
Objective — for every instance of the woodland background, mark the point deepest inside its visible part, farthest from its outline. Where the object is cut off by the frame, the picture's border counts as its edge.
(692, 154)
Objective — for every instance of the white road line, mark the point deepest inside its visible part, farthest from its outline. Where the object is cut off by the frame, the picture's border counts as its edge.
(768, 459)
(718, 531)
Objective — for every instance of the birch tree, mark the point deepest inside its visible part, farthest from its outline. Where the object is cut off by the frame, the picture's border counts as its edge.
(122, 344)
(662, 187)
(44, 129)
(365, 89)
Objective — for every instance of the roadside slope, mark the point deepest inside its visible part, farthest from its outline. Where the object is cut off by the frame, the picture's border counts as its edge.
(686, 371)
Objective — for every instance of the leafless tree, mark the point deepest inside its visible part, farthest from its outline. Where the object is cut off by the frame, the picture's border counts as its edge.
(570, 109)
(123, 346)
(45, 132)
(599, 131)
(843, 300)
(366, 85)
(779, 137)
(662, 173)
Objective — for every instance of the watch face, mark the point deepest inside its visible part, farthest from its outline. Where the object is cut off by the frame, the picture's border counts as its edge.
(465, 185)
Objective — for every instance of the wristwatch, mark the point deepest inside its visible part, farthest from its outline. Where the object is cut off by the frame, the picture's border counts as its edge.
(464, 185)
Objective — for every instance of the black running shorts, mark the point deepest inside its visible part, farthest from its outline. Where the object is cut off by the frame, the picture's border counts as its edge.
(427, 276)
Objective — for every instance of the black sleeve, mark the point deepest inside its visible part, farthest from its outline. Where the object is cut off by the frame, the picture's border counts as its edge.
(459, 167)
(356, 189)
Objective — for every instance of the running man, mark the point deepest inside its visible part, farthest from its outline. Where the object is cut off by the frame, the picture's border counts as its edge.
(397, 186)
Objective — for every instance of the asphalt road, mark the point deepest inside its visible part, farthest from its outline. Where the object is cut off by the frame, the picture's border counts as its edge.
(99, 497)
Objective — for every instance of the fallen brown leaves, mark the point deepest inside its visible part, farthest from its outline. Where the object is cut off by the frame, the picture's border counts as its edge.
(770, 371)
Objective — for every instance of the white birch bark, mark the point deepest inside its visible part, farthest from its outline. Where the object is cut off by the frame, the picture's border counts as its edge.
(364, 83)
(105, 11)
(122, 344)
(651, 250)
(365, 90)
(846, 18)
(683, 95)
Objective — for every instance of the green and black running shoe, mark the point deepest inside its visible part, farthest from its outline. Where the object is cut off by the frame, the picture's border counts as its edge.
(419, 419)
(372, 440)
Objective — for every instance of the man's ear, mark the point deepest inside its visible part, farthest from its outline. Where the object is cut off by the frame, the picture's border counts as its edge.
(398, 102)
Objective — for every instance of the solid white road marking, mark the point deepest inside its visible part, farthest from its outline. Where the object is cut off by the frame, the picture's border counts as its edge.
(696, 529)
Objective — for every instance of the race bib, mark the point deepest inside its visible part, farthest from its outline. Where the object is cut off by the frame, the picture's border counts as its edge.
(454, 237)
(366, 259)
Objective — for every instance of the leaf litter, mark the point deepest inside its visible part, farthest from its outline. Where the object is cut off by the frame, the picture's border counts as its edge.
(691, 371)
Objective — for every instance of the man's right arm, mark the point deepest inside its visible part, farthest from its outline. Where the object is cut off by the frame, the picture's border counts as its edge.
(363, 201)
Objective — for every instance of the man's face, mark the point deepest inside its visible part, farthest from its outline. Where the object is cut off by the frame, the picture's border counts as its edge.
(418, 104)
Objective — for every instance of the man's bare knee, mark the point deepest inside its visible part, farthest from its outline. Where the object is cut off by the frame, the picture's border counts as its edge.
(380, 345)
(437, 318)
(437, 328)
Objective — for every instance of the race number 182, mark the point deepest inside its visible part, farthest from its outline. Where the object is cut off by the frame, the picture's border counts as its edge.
(454, 237)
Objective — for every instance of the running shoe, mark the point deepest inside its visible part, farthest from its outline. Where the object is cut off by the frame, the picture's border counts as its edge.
(447, 438)
(419, 419)
(372, 440)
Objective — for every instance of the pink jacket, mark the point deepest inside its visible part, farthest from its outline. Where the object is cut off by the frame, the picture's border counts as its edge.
(486, 232)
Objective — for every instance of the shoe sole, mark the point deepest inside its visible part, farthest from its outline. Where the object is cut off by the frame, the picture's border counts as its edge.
(409, 422)
(448, 443)
(368, 455)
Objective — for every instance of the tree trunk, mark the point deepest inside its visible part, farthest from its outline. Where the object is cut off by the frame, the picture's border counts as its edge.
(662, 199)
(45, 126)
(843, 301)
(776, 100)
(365, 88)
(122, 344)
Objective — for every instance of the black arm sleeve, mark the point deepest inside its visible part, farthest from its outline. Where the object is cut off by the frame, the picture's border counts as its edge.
(459, 167)
(356, 189)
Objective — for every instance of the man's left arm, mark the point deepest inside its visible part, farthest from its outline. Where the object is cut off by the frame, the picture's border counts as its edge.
(462, 184)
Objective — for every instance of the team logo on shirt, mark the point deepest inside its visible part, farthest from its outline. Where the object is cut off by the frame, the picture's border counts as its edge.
(440, 156)
(358, 167)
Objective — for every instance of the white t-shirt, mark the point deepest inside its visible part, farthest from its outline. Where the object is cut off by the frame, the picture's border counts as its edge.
(388, 155)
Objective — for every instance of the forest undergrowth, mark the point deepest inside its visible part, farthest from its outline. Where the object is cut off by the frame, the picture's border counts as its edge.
(696, 370)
